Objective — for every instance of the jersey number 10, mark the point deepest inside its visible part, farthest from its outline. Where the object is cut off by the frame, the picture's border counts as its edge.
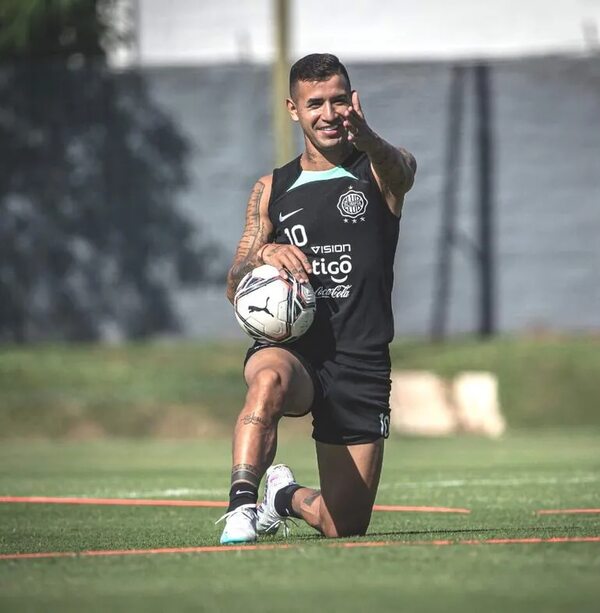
(297, 235)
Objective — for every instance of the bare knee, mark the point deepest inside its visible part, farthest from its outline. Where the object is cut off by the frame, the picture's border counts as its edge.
(345, 526)
(267, 391)
(269, 380)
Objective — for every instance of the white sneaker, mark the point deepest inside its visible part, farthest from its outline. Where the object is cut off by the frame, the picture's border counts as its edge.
(268, 520)
(240, 525)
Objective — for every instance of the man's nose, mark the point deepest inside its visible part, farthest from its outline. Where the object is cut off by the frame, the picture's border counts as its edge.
(328, 112)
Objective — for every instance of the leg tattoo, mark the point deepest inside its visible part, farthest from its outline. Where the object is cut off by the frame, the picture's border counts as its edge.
(309, 500)
(254, 420)
(245, 472)
(244, 486)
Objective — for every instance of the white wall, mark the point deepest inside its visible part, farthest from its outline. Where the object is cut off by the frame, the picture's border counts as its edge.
(193, 31)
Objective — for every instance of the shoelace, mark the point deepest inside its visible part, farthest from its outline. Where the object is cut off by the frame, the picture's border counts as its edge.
(230, 513)
(283, 521)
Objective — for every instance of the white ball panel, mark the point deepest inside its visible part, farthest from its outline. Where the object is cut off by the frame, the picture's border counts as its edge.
(270, 308)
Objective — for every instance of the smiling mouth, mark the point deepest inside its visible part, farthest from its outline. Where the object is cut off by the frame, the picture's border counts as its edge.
(330, 129)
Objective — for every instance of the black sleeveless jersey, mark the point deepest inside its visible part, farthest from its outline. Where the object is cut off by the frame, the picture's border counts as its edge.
(341, 221)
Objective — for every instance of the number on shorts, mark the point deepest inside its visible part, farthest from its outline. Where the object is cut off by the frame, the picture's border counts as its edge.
(384, 420)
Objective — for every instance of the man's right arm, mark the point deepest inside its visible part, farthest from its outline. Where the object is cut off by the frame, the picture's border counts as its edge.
(254, 247)
(257, 232)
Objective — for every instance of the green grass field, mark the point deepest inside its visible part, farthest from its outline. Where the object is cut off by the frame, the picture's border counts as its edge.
(502, 482)
(195, 389)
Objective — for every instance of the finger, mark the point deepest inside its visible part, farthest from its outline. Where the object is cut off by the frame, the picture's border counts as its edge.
(350, 127)
(351, 114)
(352, 132)
(281, 269)
(294, 266)
(298, 271)
(289, 259)
(276, 257)
(350, 123)
(353, 123)
(356, 103)
(304, 261)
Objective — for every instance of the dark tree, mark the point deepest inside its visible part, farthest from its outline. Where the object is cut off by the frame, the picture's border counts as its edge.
(43, 29)
(90, 238)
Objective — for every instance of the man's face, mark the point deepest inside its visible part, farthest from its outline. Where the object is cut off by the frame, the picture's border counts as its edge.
(318, 107)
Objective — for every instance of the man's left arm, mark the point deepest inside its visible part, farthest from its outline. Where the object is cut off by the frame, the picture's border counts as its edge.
(394, 168)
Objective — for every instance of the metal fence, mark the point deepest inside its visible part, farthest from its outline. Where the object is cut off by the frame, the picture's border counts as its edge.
(122, 195)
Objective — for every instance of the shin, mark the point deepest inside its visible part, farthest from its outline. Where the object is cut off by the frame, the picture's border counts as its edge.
(255, 435)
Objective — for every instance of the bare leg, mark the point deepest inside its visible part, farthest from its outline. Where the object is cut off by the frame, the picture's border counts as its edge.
(278, 384)
(349, 479)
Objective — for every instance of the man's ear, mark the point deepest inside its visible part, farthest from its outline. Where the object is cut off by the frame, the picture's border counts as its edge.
(292, 110)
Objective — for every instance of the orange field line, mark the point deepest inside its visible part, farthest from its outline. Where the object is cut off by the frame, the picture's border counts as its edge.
(269, 546)
(192, 503)
(397, 508)
(145, 502)
(567, 511)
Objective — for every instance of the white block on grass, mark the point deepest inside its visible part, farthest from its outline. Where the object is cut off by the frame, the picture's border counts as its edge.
(476, 403)
(420, 404)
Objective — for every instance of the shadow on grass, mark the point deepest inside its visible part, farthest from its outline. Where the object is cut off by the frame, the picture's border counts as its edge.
(495, 530)
(398, 534)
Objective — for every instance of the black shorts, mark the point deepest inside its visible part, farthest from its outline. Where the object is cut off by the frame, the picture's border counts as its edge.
(351, 397)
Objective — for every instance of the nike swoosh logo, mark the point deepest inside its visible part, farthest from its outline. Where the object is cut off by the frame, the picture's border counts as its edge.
(243, 492)
(284, 217)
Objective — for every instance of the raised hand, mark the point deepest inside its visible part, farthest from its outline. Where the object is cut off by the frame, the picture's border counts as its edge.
(359, 133)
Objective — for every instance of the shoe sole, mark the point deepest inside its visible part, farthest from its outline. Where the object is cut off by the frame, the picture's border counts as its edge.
(227, 541)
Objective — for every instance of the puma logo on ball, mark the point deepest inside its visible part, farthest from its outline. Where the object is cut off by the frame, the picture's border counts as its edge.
(255, 309)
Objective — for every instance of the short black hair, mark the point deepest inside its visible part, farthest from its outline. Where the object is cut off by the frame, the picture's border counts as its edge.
(316, 67)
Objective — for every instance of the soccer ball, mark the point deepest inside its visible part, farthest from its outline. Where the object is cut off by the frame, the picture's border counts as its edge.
(270, 308)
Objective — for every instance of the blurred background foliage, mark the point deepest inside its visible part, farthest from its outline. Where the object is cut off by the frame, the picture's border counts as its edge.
(91, 245)
(196, 389)
(44, 29)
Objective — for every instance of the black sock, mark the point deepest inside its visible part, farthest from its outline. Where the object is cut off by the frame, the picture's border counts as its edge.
(242, 493)
(283, 501)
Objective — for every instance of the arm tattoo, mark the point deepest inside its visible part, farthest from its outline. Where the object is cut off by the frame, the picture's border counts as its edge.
(245, 472)
(255, 236)
(395, 168)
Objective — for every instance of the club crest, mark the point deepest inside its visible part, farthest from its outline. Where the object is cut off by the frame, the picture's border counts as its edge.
(352, 204)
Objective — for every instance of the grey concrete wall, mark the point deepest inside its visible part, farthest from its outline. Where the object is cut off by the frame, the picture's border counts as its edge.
(547, 179)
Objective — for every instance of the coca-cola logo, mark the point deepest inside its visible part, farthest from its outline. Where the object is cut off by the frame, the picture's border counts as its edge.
(336, 291)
